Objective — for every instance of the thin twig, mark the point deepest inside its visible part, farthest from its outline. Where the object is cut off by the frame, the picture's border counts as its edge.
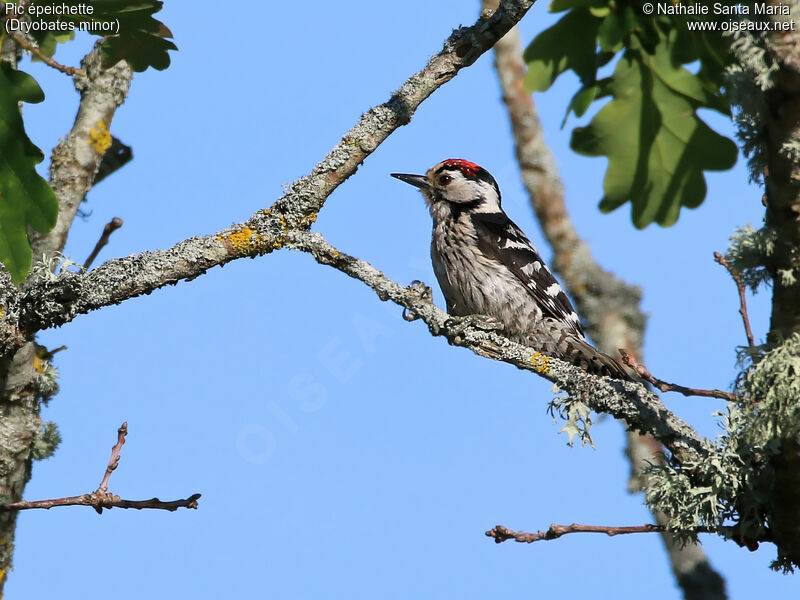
(644, 373)
(43, 57)
(737, 278)
(110, 228)
(99, 501)
(101, 498)
(502, 534)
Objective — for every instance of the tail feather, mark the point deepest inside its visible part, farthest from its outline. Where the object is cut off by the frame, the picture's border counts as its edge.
(556, 340)
(580, 353)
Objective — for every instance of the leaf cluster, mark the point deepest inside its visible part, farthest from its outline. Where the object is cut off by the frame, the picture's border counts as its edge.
(26, 200)
(657, 145)
(142, 41)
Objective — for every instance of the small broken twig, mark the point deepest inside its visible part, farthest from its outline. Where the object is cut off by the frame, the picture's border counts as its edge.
(737, 278)
(662, 385)
(101, 498)
(502, 534)
(110, 228)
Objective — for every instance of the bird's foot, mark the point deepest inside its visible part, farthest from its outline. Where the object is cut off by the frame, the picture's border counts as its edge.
(457, 325)
(425, 294)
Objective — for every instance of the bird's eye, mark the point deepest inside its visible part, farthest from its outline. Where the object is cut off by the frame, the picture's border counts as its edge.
(444, 179)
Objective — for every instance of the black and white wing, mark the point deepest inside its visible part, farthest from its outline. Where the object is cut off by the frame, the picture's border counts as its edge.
(500, 239)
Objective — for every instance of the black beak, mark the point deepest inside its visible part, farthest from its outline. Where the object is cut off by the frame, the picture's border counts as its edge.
(419, 181)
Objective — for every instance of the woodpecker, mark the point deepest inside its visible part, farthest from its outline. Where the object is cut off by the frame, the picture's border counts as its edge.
(486, 265)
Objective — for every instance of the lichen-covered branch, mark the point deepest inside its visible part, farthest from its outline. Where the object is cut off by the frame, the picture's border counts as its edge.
(51, 301)
(76, 158)
(461, 49)
(641, 410)
(610, 305)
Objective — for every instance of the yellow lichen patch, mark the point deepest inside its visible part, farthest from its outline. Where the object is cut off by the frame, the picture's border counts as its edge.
(100, 137)
(244, 239)
(39, 364)
(540, 362)
(309, 220)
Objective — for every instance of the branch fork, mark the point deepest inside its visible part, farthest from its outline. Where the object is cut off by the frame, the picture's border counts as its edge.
(101, 498)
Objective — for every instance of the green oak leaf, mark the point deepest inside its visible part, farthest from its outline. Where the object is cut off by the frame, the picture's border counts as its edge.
(581, 101)
(569, 44)
(140, 39)
(657, 146)
(617, 26)
(140, 49)
(25, 197)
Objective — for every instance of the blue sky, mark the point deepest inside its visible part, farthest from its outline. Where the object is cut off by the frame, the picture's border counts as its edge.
(340, 451)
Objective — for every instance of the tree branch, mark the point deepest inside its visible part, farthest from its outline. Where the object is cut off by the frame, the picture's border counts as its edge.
(48, 60)
(76, 158)
(110, 228)
(101, 498)
(503, 534)
(640, 409)
(662, 385)
(52, 301)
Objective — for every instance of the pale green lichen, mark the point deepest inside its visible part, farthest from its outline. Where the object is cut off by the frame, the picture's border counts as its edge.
(734, 484)
(45, 441)
(746, 81)
(749, 251)
(577, 416)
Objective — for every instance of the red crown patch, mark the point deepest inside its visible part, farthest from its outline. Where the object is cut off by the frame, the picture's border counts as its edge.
(470, 169)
